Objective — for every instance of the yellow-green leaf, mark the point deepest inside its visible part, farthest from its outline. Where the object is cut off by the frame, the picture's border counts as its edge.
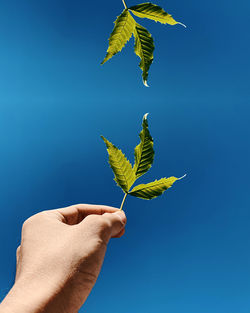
(122, 32)
(154, 189)
(124, 174)
(153, 12)
(144, 47)
(144, 152)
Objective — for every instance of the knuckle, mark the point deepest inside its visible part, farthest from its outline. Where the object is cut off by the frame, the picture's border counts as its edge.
(98, 221)
(105, 223)
(78, 205)
(91, 219)
(105, 229)
(100, 226)
(32, 219)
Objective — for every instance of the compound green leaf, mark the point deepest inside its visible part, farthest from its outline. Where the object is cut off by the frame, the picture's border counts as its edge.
(124, 174)
(144, 47)
(154, 189)
(153, 12)
(144, 152)
(122, 32)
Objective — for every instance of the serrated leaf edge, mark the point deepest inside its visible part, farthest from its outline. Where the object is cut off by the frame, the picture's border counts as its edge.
(144, 120)
(129, 185)
(106, 59)
(170, 15)
(133, 190)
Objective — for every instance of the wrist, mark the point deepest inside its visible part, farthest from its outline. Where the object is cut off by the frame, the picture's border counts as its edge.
(30, 296)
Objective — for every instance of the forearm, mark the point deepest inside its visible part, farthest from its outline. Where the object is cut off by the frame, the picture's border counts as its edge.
(31, 297)
(43, 294)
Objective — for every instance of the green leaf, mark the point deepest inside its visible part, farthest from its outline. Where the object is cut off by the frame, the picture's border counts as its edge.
(144, 47)
(153, 12)
(154, 189)
(124, 174)
(122, 32)
(144, 152)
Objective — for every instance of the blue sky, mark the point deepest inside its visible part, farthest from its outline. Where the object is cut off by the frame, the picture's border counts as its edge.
(187, 251)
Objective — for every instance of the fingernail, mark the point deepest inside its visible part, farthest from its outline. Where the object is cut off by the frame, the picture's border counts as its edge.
(122, 216)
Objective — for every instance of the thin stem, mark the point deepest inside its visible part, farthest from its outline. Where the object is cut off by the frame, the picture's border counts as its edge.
(124, 3)
(123, 200)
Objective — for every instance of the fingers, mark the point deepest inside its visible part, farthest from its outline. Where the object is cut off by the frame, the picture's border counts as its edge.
(99, 220)
(121, 233)
(104, 226)
(74, 214)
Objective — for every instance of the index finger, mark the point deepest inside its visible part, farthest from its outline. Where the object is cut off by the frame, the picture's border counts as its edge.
(74, 214)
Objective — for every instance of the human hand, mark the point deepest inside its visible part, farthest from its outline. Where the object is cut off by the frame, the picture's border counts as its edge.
(60, 257)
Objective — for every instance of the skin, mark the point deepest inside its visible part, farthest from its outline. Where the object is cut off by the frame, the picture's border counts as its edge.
(60, 258)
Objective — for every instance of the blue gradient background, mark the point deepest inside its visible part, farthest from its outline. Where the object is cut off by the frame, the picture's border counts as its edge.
(187, 251)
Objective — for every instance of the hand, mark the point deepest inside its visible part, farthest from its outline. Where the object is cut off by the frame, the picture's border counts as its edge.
(60, 257)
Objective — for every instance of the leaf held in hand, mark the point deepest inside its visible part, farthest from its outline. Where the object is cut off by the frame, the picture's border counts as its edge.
(122, 32)
(122, 168)
(144, 47)
(153, 12)
(125, 175)
(144, 152)
(154, 189)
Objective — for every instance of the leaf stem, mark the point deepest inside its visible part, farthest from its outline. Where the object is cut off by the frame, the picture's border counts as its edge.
(123, 200)
(124, 3)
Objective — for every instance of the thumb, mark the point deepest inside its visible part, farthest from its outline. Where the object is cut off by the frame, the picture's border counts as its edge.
(118, 221)
(104, 226)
